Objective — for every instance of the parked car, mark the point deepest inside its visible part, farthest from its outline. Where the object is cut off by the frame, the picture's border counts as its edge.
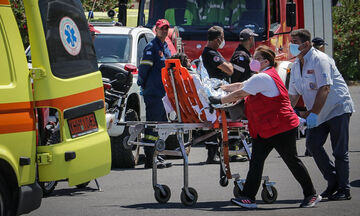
(123, 47)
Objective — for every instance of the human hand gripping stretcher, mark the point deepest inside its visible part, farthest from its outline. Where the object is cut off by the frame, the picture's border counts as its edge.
(185, 97)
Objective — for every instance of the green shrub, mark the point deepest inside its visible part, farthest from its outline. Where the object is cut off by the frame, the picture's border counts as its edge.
(346, 35)
(18, 9)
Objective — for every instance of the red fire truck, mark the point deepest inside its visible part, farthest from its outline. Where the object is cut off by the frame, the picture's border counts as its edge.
(272, 20)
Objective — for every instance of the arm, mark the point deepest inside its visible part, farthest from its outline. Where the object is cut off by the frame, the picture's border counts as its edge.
(323, 72)
(227, 68)
(232, 87)
(234, 96)
(146, 64)
(320, 99)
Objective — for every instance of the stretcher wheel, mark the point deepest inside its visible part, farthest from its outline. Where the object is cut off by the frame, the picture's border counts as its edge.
(224, 181)
(266, 197)
(187, 200)
(159, 196)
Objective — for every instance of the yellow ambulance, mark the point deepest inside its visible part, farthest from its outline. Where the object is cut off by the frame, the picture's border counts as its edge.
(63, 84)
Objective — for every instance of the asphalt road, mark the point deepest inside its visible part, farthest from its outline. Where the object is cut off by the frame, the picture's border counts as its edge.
(129, 191)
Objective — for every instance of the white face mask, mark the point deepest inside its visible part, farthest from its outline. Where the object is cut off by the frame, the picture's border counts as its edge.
(222, 44)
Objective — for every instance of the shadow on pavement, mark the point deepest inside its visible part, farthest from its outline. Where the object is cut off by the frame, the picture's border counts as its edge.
(355, 183)
(71, 192)
(211, 206)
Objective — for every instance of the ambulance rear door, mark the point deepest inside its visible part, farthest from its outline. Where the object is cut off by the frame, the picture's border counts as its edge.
(67, 80)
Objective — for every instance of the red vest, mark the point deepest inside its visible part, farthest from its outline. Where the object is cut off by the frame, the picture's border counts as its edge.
(269, 116)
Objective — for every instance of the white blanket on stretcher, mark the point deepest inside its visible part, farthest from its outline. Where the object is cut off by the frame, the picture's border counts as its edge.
(205, 87)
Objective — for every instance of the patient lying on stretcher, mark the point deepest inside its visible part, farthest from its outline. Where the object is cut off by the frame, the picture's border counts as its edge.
(206, 87)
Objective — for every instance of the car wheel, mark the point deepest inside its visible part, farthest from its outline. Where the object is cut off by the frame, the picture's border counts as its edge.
(6, 202)
(121, 157)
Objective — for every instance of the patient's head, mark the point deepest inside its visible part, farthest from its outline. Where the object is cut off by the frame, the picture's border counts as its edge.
(184, 60)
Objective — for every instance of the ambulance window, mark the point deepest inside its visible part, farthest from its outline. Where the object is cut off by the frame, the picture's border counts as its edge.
(274, 14)
(4, 60)
(70, 48)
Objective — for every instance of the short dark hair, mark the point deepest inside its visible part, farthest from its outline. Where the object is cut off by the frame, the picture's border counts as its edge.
(183, 58)
(214, 32)
(303, 34)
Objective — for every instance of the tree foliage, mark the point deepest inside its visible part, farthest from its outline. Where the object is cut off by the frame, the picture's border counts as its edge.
(346, 35)
(100, 5)
(19, 12)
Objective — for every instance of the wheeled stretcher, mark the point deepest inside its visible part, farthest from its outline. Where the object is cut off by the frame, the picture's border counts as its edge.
(191, 115)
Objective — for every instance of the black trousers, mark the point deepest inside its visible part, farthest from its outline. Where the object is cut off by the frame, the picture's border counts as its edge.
(285, 145)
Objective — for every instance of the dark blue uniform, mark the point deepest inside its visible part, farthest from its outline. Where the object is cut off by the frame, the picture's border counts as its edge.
(149, 78)
(153, 61)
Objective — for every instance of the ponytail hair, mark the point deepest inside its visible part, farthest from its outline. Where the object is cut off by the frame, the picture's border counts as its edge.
(268, 54)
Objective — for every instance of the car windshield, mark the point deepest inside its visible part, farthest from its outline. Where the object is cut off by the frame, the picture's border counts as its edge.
(195, 17)
(113, 48)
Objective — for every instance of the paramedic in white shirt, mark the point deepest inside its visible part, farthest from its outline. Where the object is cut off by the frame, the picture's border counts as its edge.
(329, 104)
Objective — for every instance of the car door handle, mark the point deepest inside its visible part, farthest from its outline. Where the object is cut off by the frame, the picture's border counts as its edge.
(70, 156)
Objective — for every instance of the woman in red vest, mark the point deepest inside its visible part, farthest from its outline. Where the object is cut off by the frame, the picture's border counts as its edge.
(272, 124)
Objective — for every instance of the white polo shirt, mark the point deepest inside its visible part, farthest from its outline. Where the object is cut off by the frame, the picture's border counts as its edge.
(261, 83)
(318, 70)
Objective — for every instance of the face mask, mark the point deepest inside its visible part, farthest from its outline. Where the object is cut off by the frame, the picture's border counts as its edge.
(222, 44)
(294, 49)
(255, 65)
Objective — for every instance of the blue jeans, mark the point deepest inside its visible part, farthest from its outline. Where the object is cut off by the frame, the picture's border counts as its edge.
(335, 173)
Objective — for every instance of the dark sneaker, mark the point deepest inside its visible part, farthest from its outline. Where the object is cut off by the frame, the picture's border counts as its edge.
(310, 201)
(148, 163)
(213, 160)
(341, 195)
(162, 163)
(238, 158)
(244, 202)
(330, 190)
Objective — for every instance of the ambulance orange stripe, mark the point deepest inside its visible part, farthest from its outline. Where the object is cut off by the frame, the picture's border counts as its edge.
(4, 2)
(16, 117)
(74, 100)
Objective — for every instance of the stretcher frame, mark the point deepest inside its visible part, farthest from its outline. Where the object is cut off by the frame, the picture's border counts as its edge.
(178, 84)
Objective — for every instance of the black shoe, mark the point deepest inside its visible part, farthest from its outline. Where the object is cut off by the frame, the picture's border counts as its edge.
(341, 195)
(330, 190)
(310, 201)
(238, 158)
(214, 160)
(244, 202)
(148, 164)
(162, 163)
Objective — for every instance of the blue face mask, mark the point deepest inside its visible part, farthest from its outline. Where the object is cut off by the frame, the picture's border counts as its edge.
(294, 49)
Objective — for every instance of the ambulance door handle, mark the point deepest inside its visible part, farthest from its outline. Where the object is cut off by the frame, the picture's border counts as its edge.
(70, 156)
